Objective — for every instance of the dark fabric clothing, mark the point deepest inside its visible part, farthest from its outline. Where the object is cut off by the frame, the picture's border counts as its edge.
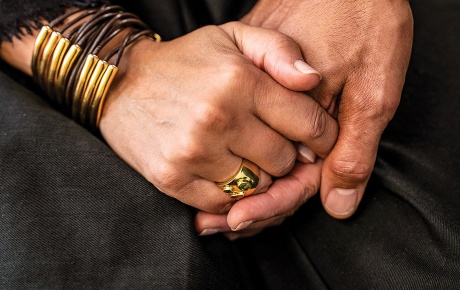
(187, 15)
(74, 216)
(25, 14)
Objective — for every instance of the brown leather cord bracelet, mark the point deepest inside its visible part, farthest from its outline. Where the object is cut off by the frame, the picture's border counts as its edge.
(70, 68)
(74, 22)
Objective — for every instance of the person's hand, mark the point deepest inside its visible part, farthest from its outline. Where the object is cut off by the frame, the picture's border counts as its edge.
(180, 112)
(184, 113)
(254, 213)
(362, 50)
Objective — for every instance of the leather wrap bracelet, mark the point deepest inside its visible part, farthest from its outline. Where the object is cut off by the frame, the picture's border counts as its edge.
(68, 65)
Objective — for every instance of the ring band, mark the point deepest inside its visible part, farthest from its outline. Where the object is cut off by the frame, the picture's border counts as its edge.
(244, 182)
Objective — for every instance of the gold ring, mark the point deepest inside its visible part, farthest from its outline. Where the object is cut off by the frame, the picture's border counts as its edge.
(244, 182)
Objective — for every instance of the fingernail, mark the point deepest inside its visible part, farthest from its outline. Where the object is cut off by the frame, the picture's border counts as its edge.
(342, 201)
(306, 153)
(304, 68)
(242, 226)
(208, 232)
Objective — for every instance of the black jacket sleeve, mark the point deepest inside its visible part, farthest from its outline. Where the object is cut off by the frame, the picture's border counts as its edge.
(17, 15)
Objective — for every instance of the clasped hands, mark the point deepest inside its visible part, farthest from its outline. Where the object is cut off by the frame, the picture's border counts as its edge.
(184, 113)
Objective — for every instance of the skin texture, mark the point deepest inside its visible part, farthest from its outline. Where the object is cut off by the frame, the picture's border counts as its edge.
(362, 49)
(185, 112)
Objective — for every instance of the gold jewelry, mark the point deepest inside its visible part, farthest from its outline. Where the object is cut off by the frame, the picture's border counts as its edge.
(244, 182)
(68, 66)
(54, 65)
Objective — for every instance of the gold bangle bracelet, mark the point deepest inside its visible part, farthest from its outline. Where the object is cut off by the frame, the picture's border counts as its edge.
(101, 93)
(40, 43)
(43, 64)
(69, 59)
(90, 89)
(54, 65)
(68, 67)
(88, 67)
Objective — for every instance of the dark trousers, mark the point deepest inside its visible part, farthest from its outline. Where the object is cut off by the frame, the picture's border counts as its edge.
(75, 216)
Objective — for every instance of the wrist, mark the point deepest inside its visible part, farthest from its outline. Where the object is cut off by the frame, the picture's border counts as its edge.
(75, 57)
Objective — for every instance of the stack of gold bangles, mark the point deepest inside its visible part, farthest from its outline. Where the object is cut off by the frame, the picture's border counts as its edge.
(67, 65)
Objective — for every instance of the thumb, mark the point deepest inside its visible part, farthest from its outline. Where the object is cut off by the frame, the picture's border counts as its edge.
(282, 199)
(362, 117)
(275, 53)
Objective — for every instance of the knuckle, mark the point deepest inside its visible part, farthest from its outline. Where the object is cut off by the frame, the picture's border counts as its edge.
(285, 162)
(280, 41)
(309, 190)
(187, 149)
(375, 103)
(212, 117)
(384, 112)
(201, 135)
(163, 177)
(387, 106)
(189, 152)
(379, 109)
(317, 124)
(352, 172)
(233, 72)
(184, 150)
(219, 102)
